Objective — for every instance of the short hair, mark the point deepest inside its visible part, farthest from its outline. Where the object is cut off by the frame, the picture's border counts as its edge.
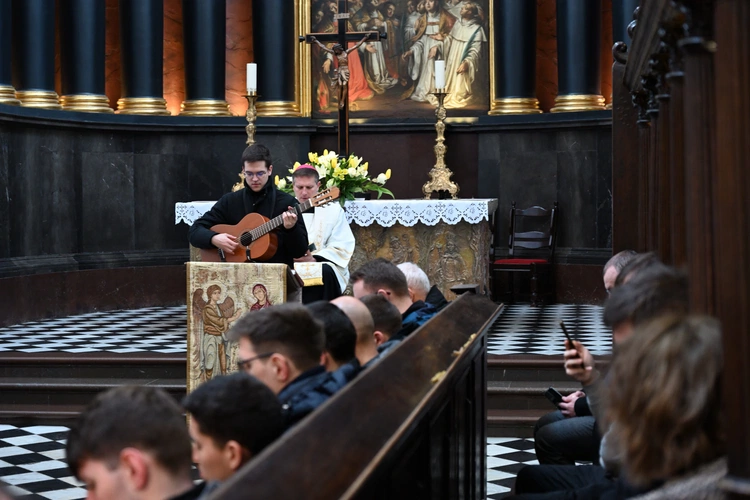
(381, 273)
(657, 290)
(257, 152)
(211, 289)
(385, 315)
(236, 407)
(416, 278)
(619, 260)
(288, 329)
(636, 265)
(142, 417)
(341, 337)
(306, 172)
(669, 376)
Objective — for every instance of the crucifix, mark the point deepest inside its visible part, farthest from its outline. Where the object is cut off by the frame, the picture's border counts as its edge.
(341, 53)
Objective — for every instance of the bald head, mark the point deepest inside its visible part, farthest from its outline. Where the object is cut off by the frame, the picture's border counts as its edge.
(359, 315)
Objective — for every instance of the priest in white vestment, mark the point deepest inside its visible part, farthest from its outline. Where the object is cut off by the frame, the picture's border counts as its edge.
(331, 241)
(463, 50)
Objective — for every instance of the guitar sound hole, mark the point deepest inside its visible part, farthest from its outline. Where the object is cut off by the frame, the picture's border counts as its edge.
(246, 239)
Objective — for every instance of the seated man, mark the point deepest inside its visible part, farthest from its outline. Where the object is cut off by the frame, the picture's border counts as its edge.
(657, 290)
(570, 434)
(259, 196)
(132, 442)
(282, 346)
(386, 322)
(419, 286)
(232, 419)
(330, 237)
(365, 350)
(384, 278)
(341, 339)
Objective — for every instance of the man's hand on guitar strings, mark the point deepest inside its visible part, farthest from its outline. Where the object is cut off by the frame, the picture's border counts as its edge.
(226, 242)
(289, 217)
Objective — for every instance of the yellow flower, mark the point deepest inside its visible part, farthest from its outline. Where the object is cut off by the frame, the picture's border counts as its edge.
(276, 180)
(388, 174)
(313, 157)
(365, 166)
(354, 161)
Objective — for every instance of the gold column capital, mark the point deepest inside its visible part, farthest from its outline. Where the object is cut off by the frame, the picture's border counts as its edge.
(514, 106)
(86, 103)
(205, 107)
(578, 102)
(44, 99)
(142, 106)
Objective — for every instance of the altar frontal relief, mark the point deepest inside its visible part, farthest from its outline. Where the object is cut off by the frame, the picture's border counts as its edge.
(394, 77)
(217, 295)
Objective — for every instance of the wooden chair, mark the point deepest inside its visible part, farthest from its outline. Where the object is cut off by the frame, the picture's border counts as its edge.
(529, 251)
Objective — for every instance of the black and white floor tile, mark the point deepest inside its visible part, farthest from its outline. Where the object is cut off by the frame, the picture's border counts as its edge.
(522, 329)
(153, 329)
(32, 463)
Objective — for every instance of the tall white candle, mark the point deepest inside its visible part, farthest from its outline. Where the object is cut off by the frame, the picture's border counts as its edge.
(252, 77)
(439, 74)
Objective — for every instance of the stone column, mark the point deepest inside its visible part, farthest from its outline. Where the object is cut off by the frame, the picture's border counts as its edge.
(141, 53)
(204, 28)
(274, 45)
(82, 56)
(579, 24)
(514, 61)
(34, 53)
(7, 92)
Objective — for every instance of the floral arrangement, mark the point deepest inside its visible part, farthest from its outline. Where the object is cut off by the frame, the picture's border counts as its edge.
(348, 174)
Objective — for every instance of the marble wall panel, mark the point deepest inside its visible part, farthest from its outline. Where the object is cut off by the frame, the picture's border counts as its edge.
(108, 191)
(239, 53)
(174, 57)
(112, 61)
(546, 53)
(577, 197)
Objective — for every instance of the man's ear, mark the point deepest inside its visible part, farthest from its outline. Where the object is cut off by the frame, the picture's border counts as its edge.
(280, 367)
(270, 170)
(235, 454)
(412, 295)
(379, 337)
(135, 468)
(384, 293)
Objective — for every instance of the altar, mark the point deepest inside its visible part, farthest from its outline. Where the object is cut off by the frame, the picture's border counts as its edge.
(449, 239)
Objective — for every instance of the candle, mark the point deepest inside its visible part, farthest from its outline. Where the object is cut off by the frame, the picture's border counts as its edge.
(439, 74)
(252, 78)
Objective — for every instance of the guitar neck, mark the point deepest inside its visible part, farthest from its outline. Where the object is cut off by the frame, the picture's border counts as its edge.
(277, 221)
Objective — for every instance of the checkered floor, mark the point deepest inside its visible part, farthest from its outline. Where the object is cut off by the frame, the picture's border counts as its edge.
(523, 329)
(32, 463)
(154, 329)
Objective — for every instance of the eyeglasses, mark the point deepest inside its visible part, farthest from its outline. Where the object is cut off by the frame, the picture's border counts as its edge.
(244, 364)
(259, 175)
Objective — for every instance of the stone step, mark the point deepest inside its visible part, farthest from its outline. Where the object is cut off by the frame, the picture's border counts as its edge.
(513, 423)
(523, 395)
(530, 367)
(59, 392)
(22, 415)
(93, 365)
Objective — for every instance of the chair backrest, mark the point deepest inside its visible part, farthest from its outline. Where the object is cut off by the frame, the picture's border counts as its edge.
(541, 237)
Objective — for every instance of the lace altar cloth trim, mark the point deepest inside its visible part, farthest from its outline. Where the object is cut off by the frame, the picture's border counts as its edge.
(385, 213)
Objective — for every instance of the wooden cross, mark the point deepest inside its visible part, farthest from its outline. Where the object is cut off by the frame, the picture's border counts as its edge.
(342, 37)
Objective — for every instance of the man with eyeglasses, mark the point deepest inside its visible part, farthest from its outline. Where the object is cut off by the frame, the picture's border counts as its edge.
(259, 196)
(282, 346)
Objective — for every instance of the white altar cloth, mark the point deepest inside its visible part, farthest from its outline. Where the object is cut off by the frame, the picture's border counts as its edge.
(385, 213)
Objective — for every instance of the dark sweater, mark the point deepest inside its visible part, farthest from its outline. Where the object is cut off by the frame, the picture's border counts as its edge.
(269, 202)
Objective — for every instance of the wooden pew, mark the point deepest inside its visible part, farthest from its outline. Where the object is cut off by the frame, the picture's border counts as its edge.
(394, 432)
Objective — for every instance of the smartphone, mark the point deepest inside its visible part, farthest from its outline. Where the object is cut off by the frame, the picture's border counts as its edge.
(565, 331)
(554, 396)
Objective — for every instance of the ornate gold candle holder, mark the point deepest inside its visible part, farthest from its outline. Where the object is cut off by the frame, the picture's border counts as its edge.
(440, 174)
(251, 115)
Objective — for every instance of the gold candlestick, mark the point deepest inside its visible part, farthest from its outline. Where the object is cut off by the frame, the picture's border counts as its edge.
(251, 115)
(440, 174)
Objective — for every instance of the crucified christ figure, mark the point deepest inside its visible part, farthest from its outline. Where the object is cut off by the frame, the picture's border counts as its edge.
(341, 77)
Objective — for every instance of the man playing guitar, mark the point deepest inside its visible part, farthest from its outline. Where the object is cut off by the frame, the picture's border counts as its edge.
(259, 196)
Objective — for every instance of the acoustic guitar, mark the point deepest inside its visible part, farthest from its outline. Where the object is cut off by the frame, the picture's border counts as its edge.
(253, 232)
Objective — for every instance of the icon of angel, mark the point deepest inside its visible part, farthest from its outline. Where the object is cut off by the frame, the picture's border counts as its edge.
(216, 317)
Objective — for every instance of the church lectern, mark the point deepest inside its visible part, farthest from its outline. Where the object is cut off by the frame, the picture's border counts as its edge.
(217, 295)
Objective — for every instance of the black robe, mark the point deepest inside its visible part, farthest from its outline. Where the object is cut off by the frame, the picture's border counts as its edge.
(269, 202)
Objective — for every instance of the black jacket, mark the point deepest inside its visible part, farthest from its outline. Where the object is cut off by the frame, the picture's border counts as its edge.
(269, 202)
(308, 391)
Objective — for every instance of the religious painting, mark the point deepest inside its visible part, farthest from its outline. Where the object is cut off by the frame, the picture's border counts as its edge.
(449, 254)
(395, 77)
(218, 295)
